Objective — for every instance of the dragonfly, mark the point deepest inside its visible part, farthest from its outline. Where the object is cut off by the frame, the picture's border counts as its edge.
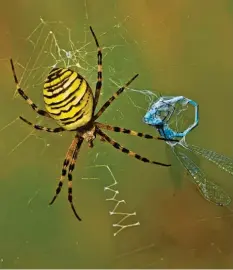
(159, 116)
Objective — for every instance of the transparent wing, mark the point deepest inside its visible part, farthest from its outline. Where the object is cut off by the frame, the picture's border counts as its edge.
(221, 161)
(208, 189)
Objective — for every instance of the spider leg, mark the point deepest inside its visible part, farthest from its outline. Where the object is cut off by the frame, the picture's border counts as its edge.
(131, 132)
(113, 97)
(53, 130)
(24, 96)
(100, 71)
(66, 162)
(119, 147)
(70, 158)
(71, 168)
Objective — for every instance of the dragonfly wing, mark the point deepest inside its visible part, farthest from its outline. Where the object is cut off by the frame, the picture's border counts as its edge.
(220, 160)
(209, 190)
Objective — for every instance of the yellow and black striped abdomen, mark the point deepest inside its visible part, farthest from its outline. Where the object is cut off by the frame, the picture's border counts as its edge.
(68, 98)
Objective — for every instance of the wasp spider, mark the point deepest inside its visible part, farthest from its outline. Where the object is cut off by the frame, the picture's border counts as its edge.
(70, 102)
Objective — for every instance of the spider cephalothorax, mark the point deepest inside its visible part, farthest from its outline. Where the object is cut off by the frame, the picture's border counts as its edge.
(70, 102)
(88, 134)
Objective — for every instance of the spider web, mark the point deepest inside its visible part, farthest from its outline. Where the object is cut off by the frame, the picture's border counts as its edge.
(182, 119)
(144, 252)
(48, 50)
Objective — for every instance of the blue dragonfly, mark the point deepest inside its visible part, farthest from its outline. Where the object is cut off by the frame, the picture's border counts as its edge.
(159, 116)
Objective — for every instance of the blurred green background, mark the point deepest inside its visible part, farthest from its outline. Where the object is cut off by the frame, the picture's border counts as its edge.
(181, 47)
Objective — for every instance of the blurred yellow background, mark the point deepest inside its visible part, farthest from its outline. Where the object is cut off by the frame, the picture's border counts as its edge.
(181, 47)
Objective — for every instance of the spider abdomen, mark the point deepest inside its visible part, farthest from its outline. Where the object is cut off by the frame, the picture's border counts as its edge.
(68, 98)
